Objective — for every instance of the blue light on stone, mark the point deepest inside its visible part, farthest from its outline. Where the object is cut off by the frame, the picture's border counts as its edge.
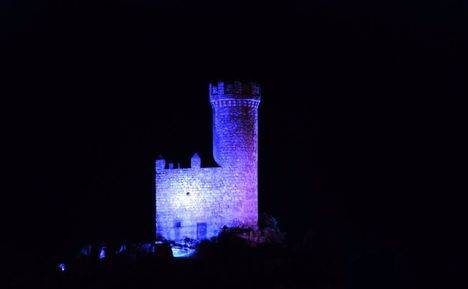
(197, 202)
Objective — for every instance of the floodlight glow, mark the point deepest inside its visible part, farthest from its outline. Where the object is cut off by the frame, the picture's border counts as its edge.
(196, 202)
(180, 252)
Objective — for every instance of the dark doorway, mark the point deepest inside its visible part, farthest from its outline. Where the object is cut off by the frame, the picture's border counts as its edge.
(201, 231)
(177, 227)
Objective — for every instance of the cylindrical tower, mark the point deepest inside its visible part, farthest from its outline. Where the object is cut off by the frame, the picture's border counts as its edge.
(235, 123)
(235, 140)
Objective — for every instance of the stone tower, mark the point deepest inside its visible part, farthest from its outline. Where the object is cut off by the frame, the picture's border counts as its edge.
(196, 202)
(235, 140)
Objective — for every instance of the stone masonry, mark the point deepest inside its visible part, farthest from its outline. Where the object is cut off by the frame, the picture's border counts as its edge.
(197, 202)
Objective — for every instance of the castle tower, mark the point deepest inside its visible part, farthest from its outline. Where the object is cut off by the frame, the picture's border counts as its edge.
(197, 202)
(235, 141)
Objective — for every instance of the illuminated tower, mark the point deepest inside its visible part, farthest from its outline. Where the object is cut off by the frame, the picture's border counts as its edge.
(235, 143)
(196, 202)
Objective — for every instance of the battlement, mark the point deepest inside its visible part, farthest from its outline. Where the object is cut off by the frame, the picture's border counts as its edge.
(195, 162)
(234, 93)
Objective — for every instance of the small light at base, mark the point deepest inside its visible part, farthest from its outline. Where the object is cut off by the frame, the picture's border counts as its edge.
(62, 267)
(102, 253)
(179, 252)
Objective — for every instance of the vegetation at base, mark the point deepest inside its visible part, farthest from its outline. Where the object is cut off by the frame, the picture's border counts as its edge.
(237, 258)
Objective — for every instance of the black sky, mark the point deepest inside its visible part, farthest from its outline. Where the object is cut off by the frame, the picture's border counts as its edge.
(357, 128)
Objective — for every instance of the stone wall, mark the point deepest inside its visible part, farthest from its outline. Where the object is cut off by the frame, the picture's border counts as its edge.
(189, 197)
(197, 202)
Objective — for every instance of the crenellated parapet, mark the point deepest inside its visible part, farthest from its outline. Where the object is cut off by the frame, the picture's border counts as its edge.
(195, 163)
(234, 93)
(235, 102)
(160, 163)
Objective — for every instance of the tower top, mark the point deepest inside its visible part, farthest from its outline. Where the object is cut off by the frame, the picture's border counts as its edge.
(227, 90)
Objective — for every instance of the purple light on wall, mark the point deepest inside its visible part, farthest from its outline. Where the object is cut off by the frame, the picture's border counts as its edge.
(197, 202)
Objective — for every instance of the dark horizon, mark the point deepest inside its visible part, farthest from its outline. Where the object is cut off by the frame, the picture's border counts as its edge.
(355, 130)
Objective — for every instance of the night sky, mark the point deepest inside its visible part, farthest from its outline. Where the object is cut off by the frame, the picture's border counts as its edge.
(357, 132)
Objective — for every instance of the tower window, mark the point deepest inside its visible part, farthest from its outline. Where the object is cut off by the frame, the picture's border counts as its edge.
(178, 224)
(188, 194)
